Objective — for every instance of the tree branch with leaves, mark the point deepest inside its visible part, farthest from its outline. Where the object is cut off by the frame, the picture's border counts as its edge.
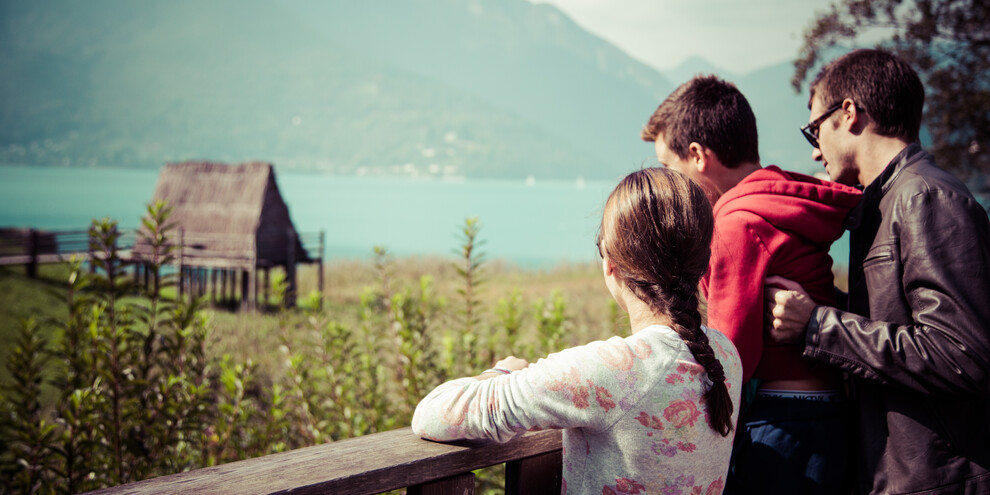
(946, 41)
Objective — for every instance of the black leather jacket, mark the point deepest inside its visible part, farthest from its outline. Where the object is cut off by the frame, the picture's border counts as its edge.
(916, 338)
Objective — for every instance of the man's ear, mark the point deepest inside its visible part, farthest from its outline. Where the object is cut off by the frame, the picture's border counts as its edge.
(852, 114)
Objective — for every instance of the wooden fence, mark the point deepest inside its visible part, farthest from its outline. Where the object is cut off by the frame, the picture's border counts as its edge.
(373, 464)
(231, 264)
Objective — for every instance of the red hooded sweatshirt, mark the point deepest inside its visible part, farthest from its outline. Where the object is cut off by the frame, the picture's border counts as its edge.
(772, 223)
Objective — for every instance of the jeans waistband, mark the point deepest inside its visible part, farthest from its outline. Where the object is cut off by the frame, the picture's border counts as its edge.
(811, 395)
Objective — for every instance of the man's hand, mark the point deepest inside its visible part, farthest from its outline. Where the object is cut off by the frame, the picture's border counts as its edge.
(789, 308)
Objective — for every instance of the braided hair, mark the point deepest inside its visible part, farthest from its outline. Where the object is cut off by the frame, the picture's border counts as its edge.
(657, 231)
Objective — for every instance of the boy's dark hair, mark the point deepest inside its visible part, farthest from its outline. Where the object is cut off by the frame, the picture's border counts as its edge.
(712, 113)
(881, 84)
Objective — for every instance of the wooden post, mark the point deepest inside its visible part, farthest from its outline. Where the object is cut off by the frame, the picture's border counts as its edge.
(213, 286)
(319, 267)
(32, 247)
(461, 484)
(253, 287)
(244, 290)
(290, 270)
(223, 285)
(537, 474)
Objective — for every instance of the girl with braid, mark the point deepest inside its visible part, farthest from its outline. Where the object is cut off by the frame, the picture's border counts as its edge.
(651, 412)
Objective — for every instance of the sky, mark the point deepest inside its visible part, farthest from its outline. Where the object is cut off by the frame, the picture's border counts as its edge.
(735, 35)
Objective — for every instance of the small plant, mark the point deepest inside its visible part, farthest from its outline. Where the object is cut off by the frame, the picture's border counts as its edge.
(550, 319)
(509, 311)
(469, 269)
(30, 436)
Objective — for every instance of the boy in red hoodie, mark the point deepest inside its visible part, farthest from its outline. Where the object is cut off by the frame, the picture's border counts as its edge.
(792, 436)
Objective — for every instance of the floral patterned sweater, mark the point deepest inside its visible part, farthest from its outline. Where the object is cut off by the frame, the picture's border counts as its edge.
(631, 409)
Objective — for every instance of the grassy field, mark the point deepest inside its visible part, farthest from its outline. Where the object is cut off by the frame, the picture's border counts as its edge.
(243, 335)
(22, 297)
(589, 307)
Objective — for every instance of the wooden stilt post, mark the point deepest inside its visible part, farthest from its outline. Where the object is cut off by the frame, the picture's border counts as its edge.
(253, 286)
(244, 303)
(290, 270)
(32, 249)
(319, 267)
(213, 286)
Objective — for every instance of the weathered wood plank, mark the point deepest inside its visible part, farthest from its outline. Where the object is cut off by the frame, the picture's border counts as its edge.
(356, 466)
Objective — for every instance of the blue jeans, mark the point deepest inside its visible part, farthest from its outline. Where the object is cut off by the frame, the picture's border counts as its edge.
(786, 445)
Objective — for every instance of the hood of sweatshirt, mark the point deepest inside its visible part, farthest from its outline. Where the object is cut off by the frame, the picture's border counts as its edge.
(801, 205)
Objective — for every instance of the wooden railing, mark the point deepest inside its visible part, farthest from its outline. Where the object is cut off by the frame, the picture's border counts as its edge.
(32, 247)
(374, 464)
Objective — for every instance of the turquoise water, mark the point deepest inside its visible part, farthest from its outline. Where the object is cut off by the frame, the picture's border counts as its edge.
(535, 225)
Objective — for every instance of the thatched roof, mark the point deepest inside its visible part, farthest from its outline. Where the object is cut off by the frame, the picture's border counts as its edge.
(228, 212)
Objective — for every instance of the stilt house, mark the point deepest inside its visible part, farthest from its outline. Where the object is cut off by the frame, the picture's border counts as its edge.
(232, 223)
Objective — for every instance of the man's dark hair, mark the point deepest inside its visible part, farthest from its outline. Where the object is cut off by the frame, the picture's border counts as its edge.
(712, 113)
(881, 84)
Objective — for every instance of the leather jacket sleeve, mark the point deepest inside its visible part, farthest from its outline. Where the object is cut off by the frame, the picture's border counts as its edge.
(929, 295)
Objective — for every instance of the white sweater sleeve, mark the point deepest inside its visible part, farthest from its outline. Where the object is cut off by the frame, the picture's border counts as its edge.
(578, 387)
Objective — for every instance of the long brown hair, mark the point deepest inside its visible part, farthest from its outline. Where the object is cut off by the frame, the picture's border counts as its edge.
(657, 231)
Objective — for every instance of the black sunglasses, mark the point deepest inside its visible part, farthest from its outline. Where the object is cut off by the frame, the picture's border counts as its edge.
(810, 130)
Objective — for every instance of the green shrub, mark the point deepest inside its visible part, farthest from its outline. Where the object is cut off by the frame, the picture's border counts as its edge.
(141, 392)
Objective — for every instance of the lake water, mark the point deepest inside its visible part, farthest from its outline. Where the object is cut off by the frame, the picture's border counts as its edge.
(534, 225)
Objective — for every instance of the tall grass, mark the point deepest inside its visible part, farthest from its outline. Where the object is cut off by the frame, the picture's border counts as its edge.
(149, 385)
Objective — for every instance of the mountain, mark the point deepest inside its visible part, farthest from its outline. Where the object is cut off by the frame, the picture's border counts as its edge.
(479, 88)
(693, 66)
(780, 113)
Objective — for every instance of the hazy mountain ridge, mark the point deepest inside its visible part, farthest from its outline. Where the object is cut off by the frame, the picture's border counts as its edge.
(482, 88)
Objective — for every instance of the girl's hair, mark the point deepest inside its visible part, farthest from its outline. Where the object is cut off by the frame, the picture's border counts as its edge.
(657, 231)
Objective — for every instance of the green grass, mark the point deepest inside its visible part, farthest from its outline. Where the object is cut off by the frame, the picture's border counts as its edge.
(22, 297)
(256, 335)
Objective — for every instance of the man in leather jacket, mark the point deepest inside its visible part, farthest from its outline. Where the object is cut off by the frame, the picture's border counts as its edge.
(915, 338)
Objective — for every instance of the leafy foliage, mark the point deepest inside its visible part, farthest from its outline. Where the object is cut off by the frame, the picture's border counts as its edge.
(946, 41)
(139, 393)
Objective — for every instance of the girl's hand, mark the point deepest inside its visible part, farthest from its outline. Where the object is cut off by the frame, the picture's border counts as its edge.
(509, 364)
(512, 363)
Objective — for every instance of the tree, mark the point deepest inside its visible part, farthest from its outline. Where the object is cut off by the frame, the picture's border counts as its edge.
(946, 41)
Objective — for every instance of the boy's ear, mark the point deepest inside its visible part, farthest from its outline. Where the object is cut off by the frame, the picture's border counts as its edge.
(698, 156)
